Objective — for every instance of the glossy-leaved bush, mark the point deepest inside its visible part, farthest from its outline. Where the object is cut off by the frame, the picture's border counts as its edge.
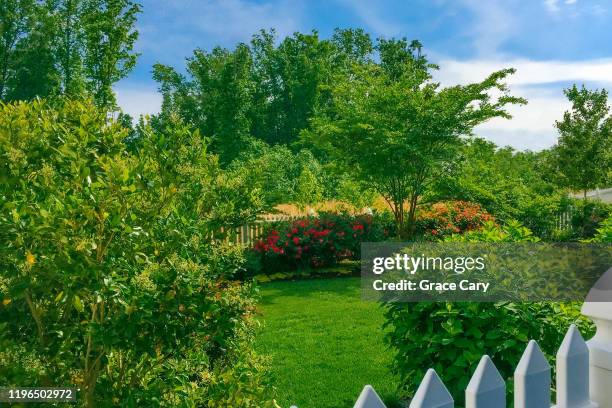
(452, 337)
(110, 280)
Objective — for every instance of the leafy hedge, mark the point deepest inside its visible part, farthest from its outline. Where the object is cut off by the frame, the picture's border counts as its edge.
(109, 281)
(604, 232)
(314, 242)
(452, 337)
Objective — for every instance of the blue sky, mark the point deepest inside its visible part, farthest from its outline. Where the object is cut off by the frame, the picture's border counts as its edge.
(551, 43)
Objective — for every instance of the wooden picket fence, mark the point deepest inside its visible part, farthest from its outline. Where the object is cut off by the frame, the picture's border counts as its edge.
(247, 234)
(584, 375)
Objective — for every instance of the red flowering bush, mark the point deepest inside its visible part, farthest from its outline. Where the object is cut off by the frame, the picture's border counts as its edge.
(450, 217)
(315, 241)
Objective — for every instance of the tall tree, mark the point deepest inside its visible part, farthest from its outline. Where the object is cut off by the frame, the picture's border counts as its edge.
(66, 47)
(396, 130)
(217, 99)
(109, 36)
(583, 154)
(15, 24)
(36, 72)
(69, 45)
(262, 89)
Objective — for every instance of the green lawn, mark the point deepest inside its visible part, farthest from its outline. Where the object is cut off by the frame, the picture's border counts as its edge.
(325, 342)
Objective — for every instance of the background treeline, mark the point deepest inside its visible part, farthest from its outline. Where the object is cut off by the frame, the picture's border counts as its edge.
(66, 47)
(274, 106)
(266, 90)
(258, 101)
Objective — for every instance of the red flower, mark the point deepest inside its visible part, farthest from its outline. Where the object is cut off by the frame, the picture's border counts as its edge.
(296, 240)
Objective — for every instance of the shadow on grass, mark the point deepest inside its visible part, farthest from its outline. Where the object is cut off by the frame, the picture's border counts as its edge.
(272, 292)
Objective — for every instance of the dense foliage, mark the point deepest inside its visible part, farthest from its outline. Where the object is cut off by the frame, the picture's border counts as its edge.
(67, 47)
(519, 186)
(442, 219)
(266, 89)
(110, 281)
(452, 337)
(582, 158)
(114, 274)
(507, 183)
(604, 232)
(281, 175)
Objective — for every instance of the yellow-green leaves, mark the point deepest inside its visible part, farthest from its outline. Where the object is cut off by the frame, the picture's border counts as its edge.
(109, 252)
(77, 303)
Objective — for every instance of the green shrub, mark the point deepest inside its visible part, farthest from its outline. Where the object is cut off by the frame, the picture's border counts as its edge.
(542, 214)
(452, 337)
(604, 232)
(587, 216)
(109, 280)
(513, 231)
(281, 175)
(439, 220)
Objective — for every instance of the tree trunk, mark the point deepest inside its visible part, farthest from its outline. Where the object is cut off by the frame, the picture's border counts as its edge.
(584, 212)
(398, 215)
(412, 214)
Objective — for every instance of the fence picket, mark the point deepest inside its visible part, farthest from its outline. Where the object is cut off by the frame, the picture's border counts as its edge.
(532, 379)
(487, 388)
(369, 399)
(432, 393)
(573, 372)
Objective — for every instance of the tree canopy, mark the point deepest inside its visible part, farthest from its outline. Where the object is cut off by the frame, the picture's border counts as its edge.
(396, 129)
(582, 157)
(66, 47)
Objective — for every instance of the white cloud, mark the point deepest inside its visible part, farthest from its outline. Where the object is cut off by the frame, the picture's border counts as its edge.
(531, 126)
(528, 72)
(541, 83)
(137, 101)
(494, 23)
(552, 5)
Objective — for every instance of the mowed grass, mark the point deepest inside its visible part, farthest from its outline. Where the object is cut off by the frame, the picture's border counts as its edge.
(325, 343)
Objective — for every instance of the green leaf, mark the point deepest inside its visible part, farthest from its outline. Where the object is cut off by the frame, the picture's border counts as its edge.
(78, 304)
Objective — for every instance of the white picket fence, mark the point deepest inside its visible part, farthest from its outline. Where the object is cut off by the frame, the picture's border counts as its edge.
(584, 375)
